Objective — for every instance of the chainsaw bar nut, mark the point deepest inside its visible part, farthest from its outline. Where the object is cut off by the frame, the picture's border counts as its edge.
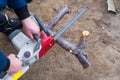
(27, 54)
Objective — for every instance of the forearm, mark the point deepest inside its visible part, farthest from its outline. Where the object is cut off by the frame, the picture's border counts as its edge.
(4, 62)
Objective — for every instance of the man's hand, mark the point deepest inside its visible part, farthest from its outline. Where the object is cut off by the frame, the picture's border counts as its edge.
(15, 64)
(30, 27)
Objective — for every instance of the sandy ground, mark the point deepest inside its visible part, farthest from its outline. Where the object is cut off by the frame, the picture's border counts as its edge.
(103, 45)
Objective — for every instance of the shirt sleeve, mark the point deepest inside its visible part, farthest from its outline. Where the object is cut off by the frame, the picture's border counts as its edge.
(4, 62)
(20, 8)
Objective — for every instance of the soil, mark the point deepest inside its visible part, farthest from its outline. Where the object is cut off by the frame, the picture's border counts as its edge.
(103, 44)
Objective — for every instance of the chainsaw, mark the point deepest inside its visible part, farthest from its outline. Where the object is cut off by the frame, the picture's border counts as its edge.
(30, 51)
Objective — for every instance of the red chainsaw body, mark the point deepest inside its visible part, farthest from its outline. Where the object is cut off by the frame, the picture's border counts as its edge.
(47, 43)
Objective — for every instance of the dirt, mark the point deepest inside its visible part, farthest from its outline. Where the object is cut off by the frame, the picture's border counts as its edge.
(103, 44)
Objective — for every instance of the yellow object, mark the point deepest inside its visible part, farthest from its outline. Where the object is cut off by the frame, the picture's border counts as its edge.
(17, 75)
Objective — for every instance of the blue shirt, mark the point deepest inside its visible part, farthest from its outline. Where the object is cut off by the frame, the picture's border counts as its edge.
(3, 61)
(14, 4)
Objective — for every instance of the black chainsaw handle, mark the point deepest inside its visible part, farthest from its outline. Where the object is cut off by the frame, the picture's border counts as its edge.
(42, 26)
(36, 37)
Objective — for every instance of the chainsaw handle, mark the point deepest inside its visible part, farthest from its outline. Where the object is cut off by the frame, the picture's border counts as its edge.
(36, 37)
(42, 26)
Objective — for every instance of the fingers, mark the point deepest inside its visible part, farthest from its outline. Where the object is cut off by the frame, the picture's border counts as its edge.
(30, 35)
(11, 55)
(15, 64)
(30, 28)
